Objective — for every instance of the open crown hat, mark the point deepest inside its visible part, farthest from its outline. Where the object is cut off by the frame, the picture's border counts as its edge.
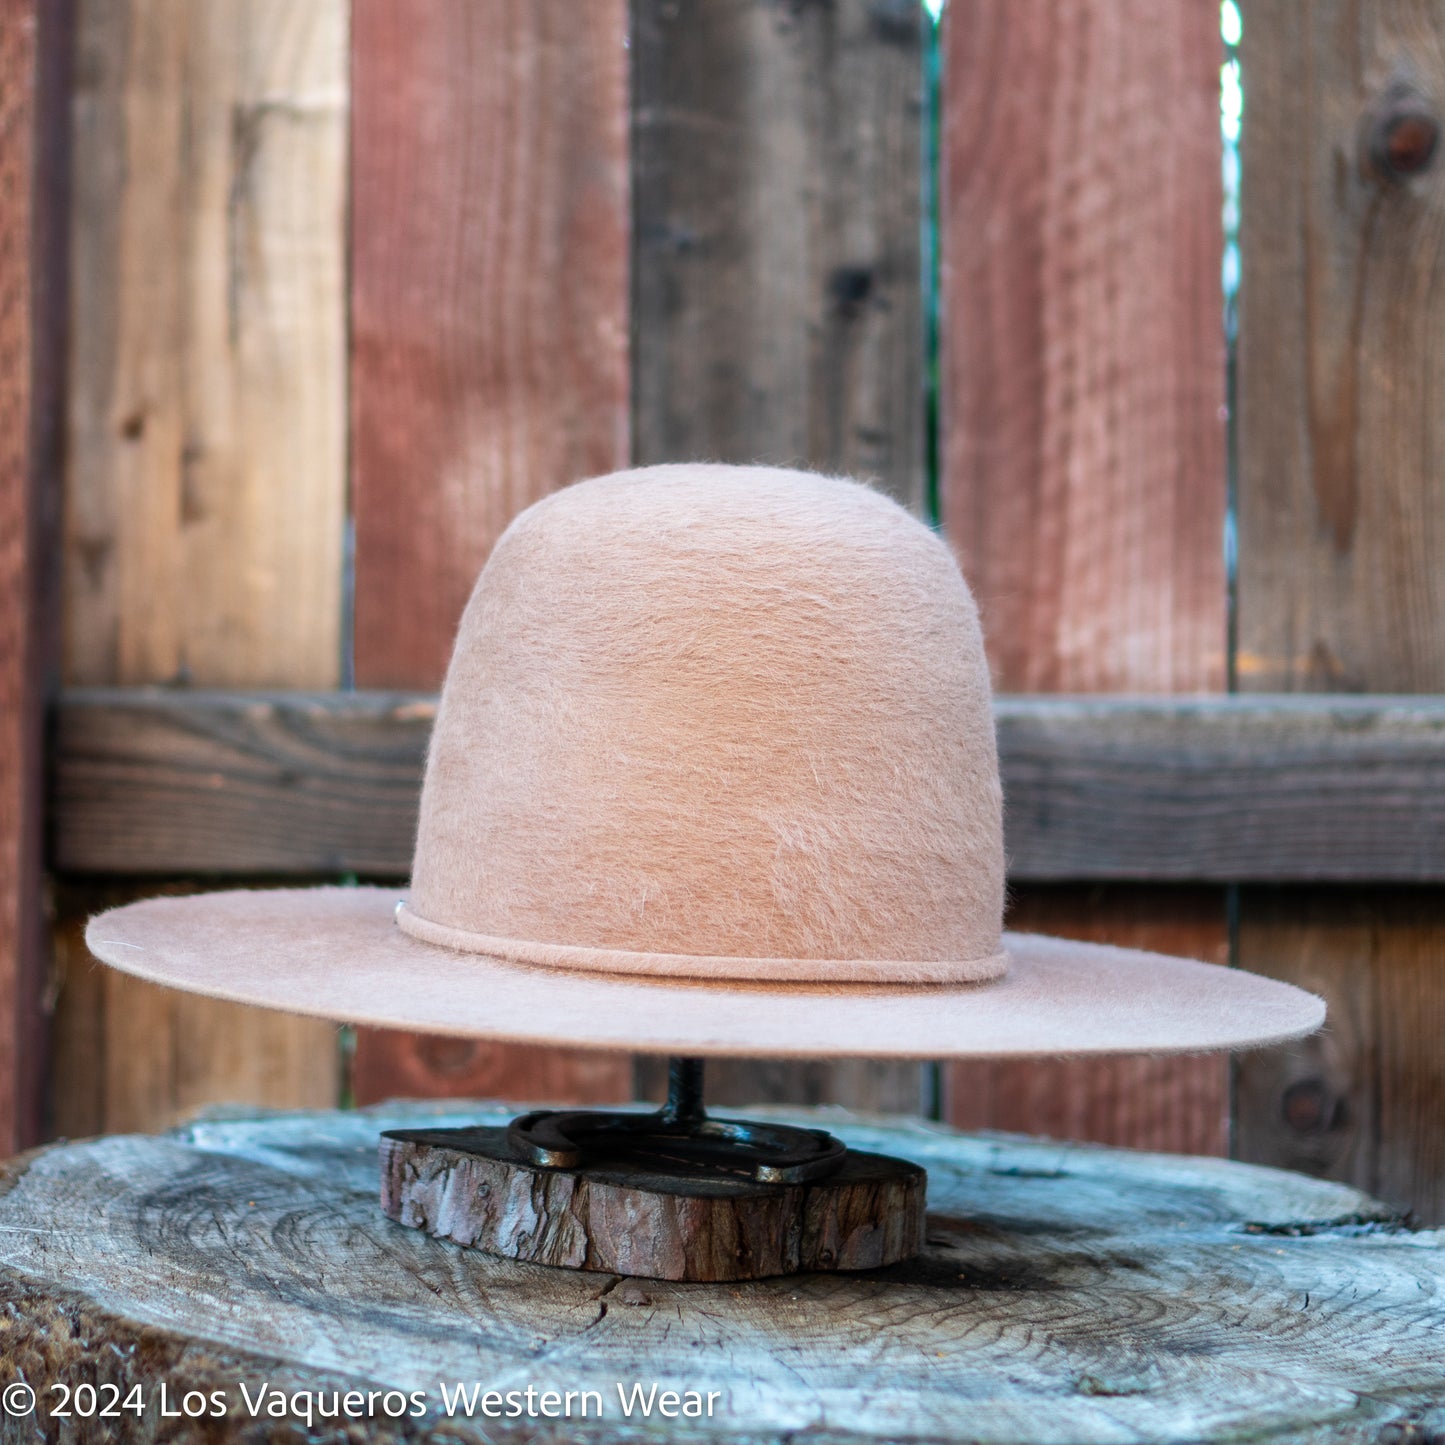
(713, 771)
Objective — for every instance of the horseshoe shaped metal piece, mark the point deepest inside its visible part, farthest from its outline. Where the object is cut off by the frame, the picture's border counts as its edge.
(679, 1135)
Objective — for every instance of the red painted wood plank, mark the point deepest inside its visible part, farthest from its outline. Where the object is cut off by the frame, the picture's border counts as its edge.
(490, 353)
(489, 294)
(1169, 1104)
(34, 60)
(1083, 451)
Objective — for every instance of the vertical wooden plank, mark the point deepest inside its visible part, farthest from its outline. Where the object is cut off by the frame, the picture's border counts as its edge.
(207, 438)
(489, 297)
(78, 1058)
(778, 182)
(1083, 446)
(205, 484)
(1313, 1106)
(34, 56)
(490, 357)
(19, 705)
(1178, 1105)
(1342, 491)
(777, 303)
(1342, 542)
(1083, 357)
(1362, 1100)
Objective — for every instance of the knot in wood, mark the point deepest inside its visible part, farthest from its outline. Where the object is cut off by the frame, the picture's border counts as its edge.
(1404, 135)
(1311, 1107)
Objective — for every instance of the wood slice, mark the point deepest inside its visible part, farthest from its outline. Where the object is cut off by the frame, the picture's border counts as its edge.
(465, 1186)
(1065, 1293)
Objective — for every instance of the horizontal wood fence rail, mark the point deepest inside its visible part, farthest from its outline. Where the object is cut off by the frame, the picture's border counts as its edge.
(151, 781)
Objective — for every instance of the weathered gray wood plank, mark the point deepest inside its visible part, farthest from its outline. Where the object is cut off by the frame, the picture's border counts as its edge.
(1067, 1293)
(777, 234)
(1266, 788)
(154, 782)
(150, 781)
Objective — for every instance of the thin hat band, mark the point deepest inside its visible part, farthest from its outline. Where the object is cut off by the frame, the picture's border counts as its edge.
(700, 966)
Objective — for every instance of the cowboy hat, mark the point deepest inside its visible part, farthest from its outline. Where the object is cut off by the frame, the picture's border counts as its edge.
(713, 772)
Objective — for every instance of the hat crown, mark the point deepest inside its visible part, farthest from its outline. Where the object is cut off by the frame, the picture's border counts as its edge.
(738, 718)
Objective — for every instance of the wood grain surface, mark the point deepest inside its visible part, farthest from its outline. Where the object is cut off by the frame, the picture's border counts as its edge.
(205, 481)
(488, 297)
(1151, 1103)
(777, 300)
(1066, 1294)
(34, 54)
(777, 303)
(1292, 788)
(489, 323)
(127, 1059)
(1342, 543)
(1225, 788)
(1082, 346)
(161, 781)
(1360, 1101)
(1082, 397)
(205, 487)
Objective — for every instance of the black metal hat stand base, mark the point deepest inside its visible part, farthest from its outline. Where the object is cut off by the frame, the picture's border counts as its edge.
(667, 1195)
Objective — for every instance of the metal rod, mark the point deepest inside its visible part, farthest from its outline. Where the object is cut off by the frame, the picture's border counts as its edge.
(684, 1091)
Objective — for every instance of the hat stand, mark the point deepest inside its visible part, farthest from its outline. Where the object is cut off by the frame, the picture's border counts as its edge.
(673, 1194)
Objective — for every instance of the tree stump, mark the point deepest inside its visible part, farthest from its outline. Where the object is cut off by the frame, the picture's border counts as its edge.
(1065, 1294)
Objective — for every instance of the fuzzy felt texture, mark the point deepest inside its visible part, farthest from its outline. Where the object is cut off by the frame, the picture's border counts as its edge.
(335, 953)
(725, 722)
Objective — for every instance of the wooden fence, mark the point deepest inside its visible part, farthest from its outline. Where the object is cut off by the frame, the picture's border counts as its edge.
(349, 284)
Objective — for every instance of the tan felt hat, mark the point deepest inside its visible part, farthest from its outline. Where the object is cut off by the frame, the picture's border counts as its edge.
(713, 772)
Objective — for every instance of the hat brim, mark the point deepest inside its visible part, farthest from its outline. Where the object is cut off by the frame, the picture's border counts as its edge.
(336, 953)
